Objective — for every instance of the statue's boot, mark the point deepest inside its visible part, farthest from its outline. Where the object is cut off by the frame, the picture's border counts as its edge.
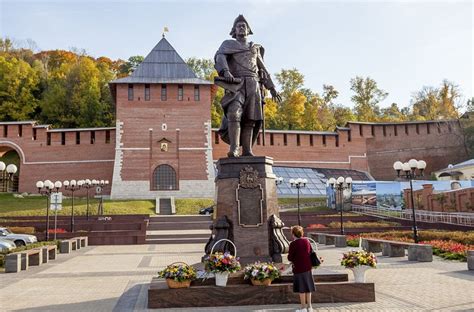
(234, 138)
(247, 140)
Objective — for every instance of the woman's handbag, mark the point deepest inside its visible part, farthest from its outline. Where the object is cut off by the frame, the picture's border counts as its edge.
(314, 258)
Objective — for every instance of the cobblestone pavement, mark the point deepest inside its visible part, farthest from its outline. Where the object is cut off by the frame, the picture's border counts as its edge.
(115, 278)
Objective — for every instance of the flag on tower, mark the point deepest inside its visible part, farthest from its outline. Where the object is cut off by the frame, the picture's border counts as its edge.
(165, 29)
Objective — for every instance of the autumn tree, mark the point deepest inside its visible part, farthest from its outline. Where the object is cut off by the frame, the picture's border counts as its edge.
(272, 116)
(318, 115)
(18, 84)
(79, 97)
(431, 103)
(366, 98)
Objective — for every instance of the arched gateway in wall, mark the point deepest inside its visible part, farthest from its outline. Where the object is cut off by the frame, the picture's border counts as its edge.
(9, 156)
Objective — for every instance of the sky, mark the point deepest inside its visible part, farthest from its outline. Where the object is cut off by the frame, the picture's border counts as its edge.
(402, 45)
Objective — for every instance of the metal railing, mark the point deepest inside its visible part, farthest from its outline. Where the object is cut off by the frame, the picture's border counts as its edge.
(461, 218)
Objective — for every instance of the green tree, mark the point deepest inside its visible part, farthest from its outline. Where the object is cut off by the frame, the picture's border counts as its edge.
(393, 113)
(6, 45)
(18, 84)
(203, 68)
(366, 98)
(129, 66)
(341, 115)
(290, 80)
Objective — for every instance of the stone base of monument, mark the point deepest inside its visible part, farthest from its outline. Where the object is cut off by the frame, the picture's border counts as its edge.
(330, 287)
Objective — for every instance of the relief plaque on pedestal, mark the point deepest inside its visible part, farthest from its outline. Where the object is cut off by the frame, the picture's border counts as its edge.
(249, 194)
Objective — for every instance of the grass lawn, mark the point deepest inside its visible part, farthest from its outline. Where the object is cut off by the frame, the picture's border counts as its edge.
(36, 206)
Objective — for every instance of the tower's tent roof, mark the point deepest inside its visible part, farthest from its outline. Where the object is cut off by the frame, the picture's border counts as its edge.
(162, 65)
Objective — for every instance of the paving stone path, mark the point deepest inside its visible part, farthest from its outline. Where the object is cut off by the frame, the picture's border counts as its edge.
(115, 278)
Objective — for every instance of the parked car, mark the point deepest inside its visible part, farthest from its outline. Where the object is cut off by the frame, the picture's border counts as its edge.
(18, 239)
(6, 245)
(207, 211)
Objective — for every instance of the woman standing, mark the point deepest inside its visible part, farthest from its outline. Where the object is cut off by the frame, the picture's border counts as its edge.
(299, 255)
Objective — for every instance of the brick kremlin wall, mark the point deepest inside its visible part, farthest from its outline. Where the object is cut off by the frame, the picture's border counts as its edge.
(372, 147)
(360, 146)
(56, 155)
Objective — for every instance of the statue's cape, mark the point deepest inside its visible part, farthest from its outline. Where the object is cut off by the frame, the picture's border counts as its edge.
(233, 46)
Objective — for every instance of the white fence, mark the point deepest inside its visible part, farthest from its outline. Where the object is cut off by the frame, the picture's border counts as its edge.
(421, 215)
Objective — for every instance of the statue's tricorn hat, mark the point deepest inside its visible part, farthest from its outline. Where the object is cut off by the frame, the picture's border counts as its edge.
(240, 18)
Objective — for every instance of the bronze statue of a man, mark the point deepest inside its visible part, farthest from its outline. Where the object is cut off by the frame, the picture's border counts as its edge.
(243, 75)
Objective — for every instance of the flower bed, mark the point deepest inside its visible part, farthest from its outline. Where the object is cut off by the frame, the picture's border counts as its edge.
(466, 238)
(351, 224)
(352, 240)
(57, 231)
(316, 226)
(450, 245)
(449, 250)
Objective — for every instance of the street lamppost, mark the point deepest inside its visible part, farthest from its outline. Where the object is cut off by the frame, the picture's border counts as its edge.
(72, 186)
(100, 186)
(87, 185)
(279, 180)
(298, 184)
(340, 185)
(45, 188)
(411, 170)
(11, 169)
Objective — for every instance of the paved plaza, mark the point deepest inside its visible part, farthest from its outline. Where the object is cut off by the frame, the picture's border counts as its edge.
(116, 278)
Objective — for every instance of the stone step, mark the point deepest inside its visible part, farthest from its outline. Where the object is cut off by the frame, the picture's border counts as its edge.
(180, 218)
(178, 226)
(179, 236)
(162, 241)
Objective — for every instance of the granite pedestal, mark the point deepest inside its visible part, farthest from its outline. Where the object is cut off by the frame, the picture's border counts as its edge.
(246, 196)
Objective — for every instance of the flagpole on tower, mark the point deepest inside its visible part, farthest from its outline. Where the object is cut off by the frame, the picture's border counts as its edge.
(165, 30)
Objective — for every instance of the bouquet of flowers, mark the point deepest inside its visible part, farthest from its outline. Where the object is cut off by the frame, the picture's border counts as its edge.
(221, 262)
(260, 271)
(356, 258)
(178, 272)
